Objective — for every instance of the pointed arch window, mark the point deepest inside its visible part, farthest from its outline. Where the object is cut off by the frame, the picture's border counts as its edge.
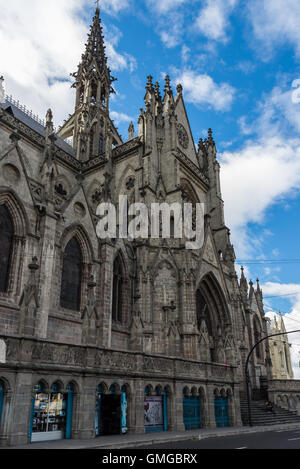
(117, 304)
(101, 144)
(6, 246)
(92, 136)
(71, 276)
(257, 338)
(202, 311)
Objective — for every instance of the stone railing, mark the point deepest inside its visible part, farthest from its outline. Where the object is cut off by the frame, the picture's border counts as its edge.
(30, 353)
(285, 393)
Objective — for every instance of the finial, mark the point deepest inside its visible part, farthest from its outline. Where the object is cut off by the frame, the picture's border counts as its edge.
(49, 117)
(210, 135)
(157, 88)
(97, 7)
(149, 83)
(2, 91)
(168, 83)
(131, 131)
(179, 88)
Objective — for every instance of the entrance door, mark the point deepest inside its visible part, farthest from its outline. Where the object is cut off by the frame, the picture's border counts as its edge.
(110, 414)
(191, 412)
(221, 412)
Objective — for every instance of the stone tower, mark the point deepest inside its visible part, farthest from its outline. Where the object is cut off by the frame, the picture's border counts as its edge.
(280, 350)
(90, 126)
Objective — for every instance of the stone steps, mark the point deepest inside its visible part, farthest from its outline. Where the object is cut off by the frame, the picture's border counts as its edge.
(261, 417)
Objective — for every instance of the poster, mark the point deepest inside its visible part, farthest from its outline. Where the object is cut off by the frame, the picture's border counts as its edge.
(153, 411)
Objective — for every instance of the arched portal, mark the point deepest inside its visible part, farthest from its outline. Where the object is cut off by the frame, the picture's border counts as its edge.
(111, 410)
(212, 320)
(6, 246)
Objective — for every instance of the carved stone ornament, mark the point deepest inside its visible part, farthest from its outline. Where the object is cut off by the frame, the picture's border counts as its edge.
(182, 136)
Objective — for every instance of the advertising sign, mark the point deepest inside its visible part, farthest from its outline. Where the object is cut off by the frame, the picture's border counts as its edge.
(153, 413)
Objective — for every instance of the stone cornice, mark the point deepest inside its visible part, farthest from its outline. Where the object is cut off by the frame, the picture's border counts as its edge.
(191, 166)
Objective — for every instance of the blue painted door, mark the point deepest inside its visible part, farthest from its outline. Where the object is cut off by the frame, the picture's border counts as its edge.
(221, 412)
(191, 413)
(69, 413)
(165, 412)
(123, 413)
(98, 416)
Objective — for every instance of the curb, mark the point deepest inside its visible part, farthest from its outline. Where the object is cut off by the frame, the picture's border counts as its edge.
(237, 431)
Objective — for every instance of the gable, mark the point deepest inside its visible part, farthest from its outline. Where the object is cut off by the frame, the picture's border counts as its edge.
(182, 120)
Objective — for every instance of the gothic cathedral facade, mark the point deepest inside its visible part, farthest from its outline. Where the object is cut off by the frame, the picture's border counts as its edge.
(114, 336)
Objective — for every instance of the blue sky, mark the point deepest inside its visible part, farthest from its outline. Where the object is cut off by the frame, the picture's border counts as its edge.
(237, 61)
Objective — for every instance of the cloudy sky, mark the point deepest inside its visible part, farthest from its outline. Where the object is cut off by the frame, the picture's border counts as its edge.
(239, 64)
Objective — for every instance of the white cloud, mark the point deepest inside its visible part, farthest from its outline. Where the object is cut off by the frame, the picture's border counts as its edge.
(201, 89)
(253, 179)
(114, 6)
(275, 22)
(120, 117)
(164, 6)
(213, 19)
(266, 170)
(41, 45)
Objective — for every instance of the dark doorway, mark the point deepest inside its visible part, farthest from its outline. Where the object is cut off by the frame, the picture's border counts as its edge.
(110, 415)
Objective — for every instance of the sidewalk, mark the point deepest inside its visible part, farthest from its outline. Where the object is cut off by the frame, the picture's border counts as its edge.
(136, 441)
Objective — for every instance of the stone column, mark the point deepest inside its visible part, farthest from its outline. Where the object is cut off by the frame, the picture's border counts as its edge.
(6, 419)
(106, 288)
(138, 403)
(21, 409)
(47, 264)
(87, 409)
(211, 423)
(178, 416)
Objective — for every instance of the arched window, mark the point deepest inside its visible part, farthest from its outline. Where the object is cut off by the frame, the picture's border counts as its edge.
(203, 311)
(117, 304)
(256, 339)
(6, 244)
(92, 136)
(101, 144)
(71, 277)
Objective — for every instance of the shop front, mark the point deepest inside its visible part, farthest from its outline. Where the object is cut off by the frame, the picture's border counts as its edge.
(111, 412)
(51, 414)
(155, 411)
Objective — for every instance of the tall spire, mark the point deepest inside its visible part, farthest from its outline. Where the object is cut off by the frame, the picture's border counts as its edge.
(90, 123)
(93, 68)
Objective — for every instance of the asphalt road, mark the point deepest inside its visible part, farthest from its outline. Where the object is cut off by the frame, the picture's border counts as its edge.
(282, 439)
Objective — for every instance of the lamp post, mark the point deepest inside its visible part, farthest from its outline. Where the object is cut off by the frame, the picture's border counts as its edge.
(247, 370)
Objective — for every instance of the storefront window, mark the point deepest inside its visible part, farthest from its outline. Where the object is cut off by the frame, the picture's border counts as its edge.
(49, 415)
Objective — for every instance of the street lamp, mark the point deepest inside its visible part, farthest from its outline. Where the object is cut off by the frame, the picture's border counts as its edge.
(247, 371)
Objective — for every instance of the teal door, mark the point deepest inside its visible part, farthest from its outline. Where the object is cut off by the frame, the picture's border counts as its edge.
(221, 412)
(191, 413)
(70, 390)
(123, 412)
